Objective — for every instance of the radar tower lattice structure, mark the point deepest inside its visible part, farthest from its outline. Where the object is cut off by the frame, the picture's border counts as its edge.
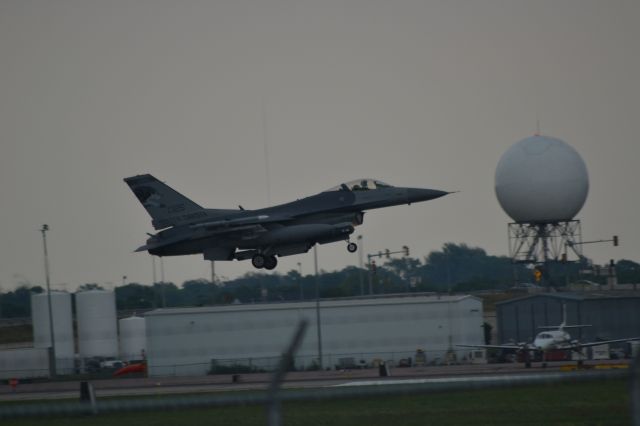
(533, 243)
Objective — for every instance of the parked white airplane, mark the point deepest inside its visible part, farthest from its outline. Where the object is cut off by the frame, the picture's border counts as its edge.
(555, 338)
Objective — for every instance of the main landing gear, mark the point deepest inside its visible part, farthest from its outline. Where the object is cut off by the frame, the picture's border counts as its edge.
(260, 261)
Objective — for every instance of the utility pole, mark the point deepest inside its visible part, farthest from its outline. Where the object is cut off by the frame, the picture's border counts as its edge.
(360, 252)
(213, 272)
(164, 301)
(372, 264)
(300, 279)
(155, 280)
(319, 329)
(371, 270)
(153, 266)
(52, 358)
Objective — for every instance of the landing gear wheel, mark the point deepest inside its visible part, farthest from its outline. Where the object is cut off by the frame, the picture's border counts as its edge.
(258, 261)
(352, 247)
(270, 262)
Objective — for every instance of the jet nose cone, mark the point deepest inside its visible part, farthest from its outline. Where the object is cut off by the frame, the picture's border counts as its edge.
(415, 195)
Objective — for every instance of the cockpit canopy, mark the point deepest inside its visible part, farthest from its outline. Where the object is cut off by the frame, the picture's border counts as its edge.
(360, 185)
(545, 336)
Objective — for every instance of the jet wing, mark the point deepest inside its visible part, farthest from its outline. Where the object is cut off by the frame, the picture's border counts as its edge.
(186, 237)
(555, 327)
(602, 342)
(241, 221)
(217, 227)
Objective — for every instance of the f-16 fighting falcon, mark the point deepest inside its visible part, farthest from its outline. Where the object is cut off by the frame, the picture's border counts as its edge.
(262, 235)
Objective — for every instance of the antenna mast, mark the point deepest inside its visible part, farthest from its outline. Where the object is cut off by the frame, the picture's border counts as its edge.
(265, 140)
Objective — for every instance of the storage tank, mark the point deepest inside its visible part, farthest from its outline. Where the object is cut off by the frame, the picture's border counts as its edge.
(97, 326)
(62, 327)
(133, 338)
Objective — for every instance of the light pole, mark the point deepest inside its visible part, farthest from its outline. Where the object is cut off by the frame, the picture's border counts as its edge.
(371, 265)
(52, 359)
(300, 279)
(155, 280)
(124, 280)
(153, 269)
(164, 302)
(360, 251)
(315, 266)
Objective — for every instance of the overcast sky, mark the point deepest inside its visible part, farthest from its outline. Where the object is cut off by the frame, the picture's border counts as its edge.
(414, 93)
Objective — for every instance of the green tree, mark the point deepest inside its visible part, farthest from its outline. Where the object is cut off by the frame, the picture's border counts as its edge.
(628, 271)
(199, 293)
(462, 268)
(17, 303)
(90, 286)
(135, 296)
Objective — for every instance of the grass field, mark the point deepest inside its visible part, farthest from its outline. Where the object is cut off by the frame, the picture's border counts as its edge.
(586, 403)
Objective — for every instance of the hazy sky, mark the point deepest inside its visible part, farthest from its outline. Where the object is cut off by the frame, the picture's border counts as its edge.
(414, 93)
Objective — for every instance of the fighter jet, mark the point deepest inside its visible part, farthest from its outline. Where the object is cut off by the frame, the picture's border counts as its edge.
(263, 235)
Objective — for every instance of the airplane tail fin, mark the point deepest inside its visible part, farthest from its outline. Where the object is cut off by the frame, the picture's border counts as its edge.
(564, 325)
(166, 206)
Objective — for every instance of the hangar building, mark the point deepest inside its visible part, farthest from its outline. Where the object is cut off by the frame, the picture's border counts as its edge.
(185, 341)
(612, 316)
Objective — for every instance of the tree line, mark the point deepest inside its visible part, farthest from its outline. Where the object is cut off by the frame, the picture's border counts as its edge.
(455, 268)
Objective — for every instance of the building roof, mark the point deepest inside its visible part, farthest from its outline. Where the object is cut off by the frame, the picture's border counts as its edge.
(578, 296)
(391, 299)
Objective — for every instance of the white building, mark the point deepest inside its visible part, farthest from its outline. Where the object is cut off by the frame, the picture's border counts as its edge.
(25, 363)
(184, 341)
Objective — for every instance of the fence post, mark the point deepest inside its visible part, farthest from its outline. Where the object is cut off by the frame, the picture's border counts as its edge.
(274, 415)
(87, 395)
(635, 391)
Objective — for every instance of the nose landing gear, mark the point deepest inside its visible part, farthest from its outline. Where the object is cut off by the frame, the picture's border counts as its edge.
(352, 247)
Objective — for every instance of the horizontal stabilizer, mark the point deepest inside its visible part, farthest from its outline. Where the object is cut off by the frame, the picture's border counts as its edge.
(494, 346)
(241, 221)
(155, 242)
(555, 327)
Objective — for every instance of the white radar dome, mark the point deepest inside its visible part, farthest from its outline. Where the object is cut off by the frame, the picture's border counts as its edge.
(541, 180)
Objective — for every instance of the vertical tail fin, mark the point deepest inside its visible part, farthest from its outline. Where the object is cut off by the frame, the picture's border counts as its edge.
(166, 206)
(564, 317)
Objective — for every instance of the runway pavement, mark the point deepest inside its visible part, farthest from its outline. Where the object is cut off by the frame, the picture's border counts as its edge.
(301, 379)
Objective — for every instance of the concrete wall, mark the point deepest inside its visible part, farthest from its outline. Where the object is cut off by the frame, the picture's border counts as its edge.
(614, 318)
(184, 341)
